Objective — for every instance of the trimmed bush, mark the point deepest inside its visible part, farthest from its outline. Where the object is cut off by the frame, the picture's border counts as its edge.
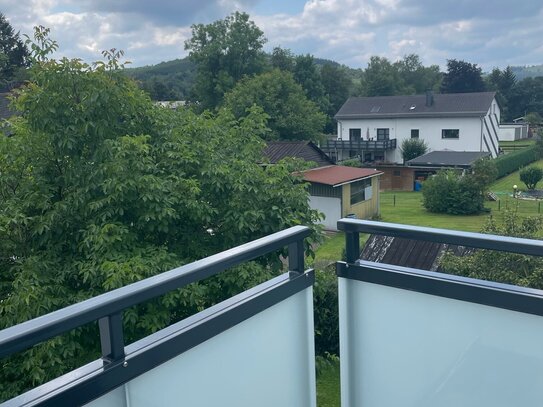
(508, 163)
(450, 192)
(531, 176)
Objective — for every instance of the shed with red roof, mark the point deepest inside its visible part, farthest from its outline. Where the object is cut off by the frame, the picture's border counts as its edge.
(339, 191)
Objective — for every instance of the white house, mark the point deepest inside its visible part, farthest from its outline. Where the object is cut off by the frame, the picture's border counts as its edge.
(374, 127)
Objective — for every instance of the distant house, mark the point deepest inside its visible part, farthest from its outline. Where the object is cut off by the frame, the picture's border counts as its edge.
(5, 113)
(275, 151)
(373, 128)
(339, 191)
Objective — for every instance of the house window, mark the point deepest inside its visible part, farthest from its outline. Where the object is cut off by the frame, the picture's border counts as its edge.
(414, 133)
(450, 133)
(355, 134)
(382, 134)
(360, 191)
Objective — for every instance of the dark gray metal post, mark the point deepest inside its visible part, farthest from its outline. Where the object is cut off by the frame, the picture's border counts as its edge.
(111, 338)
(296, 257)
(352, 246)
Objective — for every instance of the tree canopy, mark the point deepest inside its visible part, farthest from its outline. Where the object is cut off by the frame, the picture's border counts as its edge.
(224, 51)
(13, 53)
(100, 188)
(291, 115)
(462, 77)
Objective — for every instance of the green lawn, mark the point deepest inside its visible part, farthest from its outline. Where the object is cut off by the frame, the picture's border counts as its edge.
(328, 387)
(505, 185)
(330, 250)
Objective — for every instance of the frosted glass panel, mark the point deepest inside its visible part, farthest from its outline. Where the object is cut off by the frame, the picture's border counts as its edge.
(266, 361)
(403, 348)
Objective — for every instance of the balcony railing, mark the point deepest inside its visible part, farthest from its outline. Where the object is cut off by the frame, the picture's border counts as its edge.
(408, 337)
(359, 145)
(417, 338)
(238, 352)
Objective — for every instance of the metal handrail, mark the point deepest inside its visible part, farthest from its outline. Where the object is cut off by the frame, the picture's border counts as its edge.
(361, 144)
(107, 307)
(353, 227)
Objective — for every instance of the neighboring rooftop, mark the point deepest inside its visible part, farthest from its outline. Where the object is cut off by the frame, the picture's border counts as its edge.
(5, 111)
(429, 105)
(306, 150)
(419, 254)
(336, 175)
(446, 158)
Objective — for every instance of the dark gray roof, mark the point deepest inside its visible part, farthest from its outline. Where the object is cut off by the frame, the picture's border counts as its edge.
(451, 104)
(306, 150)
(409, 253)
(446, 158)
(5, 111)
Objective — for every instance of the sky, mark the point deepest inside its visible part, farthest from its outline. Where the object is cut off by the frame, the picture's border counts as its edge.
(491, 33)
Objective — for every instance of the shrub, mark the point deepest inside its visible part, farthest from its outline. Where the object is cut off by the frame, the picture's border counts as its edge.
(452, 193)
(531, 176)
(484, 172)
(326, 312)
(413, 148)
(353, 162)
(508, 163)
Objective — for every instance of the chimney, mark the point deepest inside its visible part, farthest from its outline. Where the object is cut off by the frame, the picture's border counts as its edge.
(429, 98)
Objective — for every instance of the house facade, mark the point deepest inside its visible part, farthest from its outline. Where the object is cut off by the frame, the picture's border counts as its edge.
(373, 128)
(339, 191)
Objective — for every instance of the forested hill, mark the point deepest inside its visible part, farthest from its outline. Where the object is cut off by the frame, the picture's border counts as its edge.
(173, 80)
(522, 72)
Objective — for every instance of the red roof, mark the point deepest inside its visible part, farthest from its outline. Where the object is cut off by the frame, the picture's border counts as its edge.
(338, 174)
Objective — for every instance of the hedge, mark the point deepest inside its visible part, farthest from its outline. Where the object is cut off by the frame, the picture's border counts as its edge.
(508, 163)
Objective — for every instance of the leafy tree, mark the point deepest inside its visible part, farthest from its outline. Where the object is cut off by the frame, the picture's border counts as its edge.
(502, 267)
(416, 77)
(224, 51)
(291, 115)
(413, 148)
(282, 59)
(99, 189)
(484, 172)
(306, 74)
(503, 83)
(462, 77)
(531, 176)
(13, 53)
(336, 85)
(533, 118)
(526, 96)
(453, 193)
(381, 78)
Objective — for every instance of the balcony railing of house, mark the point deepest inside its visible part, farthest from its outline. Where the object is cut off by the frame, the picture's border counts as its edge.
(359, 145)
(254, 349)
(408, 337)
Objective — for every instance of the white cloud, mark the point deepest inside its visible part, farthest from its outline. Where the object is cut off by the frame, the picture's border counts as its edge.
(349, 31)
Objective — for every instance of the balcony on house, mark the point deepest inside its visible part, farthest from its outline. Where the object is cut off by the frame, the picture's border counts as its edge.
(408, 337)
(358, 145)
